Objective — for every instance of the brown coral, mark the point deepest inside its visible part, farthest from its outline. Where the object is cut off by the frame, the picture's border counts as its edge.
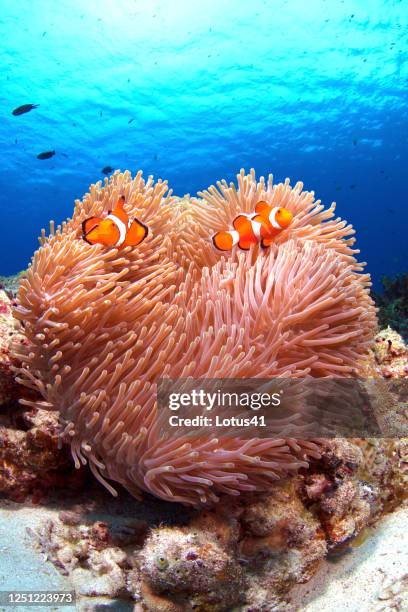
(103, 325)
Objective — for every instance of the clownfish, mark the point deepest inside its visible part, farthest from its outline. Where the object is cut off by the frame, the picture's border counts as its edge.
(276, 218)
(259, 227)
(115, 230)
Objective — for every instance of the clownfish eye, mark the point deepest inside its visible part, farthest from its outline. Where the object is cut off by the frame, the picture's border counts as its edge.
(279, 211)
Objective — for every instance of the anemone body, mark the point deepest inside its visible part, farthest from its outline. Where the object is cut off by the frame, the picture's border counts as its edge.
(102, 325)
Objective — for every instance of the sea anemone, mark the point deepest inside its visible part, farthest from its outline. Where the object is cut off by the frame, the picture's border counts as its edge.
(102, 325)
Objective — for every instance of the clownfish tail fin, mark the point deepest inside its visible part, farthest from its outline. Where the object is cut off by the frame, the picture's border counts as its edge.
(144, 227)
(136, 233)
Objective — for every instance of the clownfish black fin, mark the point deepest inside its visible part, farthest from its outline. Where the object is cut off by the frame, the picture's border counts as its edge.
(88, 225)
(136, 233)
(266, 243)
(243, 245)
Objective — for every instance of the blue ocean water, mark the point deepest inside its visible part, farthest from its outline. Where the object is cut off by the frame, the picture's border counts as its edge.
(192, 91)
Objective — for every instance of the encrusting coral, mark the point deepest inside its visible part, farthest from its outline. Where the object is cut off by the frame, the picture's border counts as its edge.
(102, 325)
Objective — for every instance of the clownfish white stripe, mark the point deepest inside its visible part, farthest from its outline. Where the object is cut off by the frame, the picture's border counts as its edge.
(256, 228)
(272, 218)
(235, 237)
(121, 227)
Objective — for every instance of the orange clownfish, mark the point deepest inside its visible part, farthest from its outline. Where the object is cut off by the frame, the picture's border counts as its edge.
(114, 230)
(261, 226)
(276, 218)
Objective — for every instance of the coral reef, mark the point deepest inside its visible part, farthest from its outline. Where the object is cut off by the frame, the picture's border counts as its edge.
(102, 325)
(243, 555)
(393, 304)
(248, 552)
